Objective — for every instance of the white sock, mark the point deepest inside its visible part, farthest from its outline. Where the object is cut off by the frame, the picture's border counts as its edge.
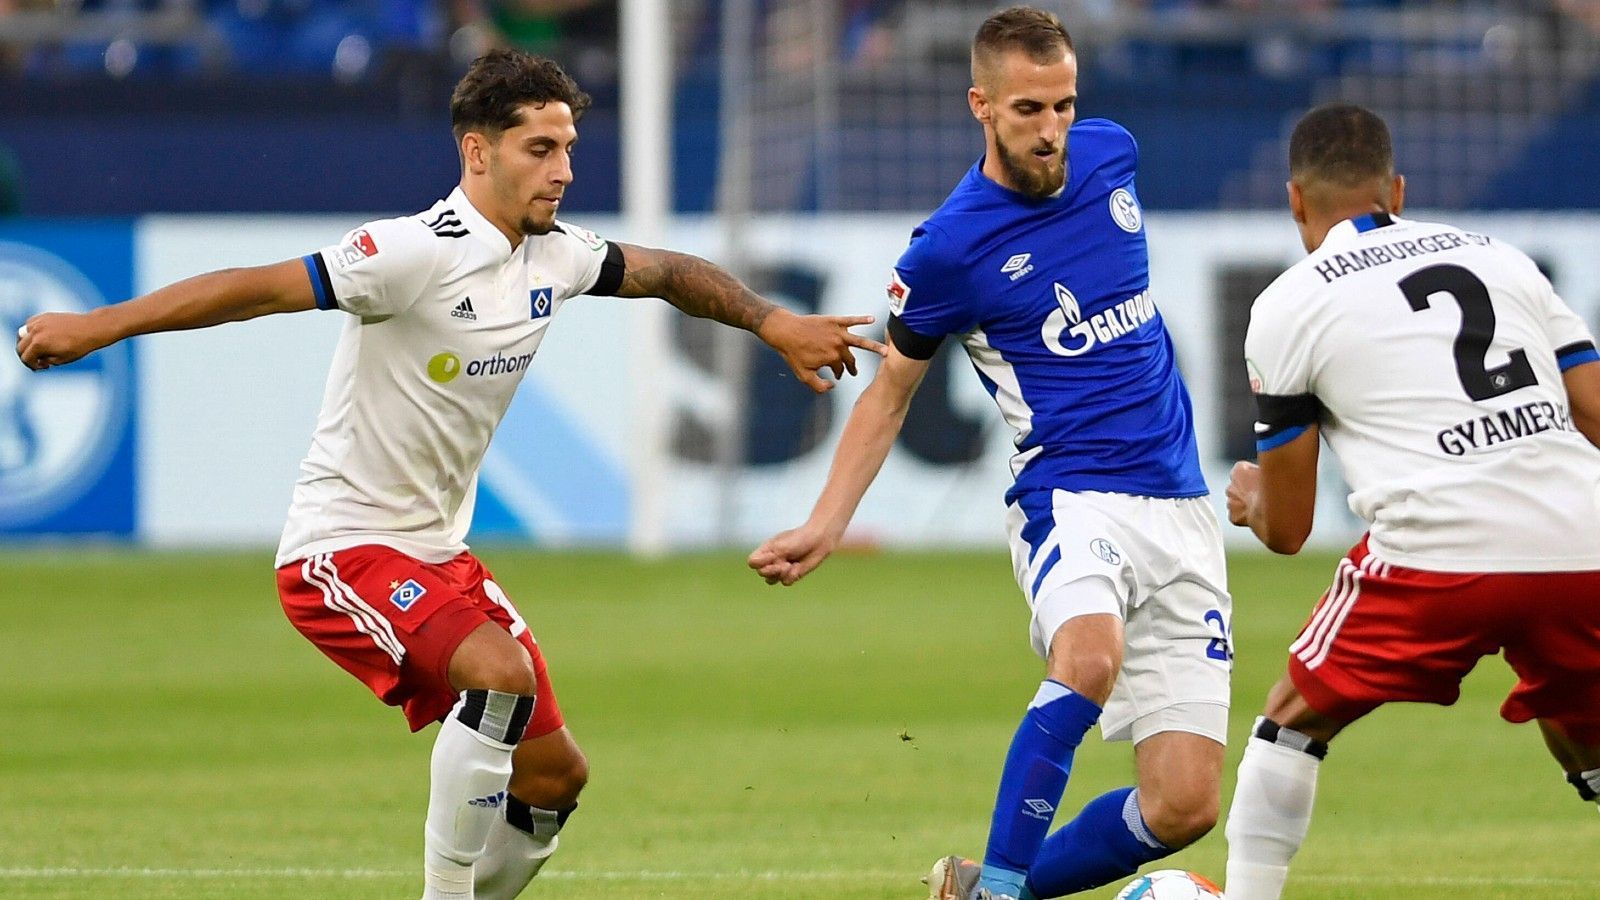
(1269, 818)
(514, 856)
(467, 794)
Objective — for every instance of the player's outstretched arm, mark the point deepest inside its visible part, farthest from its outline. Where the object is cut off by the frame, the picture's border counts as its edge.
(1277, 500)
(868, 435)
(229, 295)
(703, 289)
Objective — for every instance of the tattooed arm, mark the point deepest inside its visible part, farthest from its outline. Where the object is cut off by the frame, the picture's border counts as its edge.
(705, 290)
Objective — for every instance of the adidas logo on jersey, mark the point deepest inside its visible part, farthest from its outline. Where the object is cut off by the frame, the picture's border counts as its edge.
(447, 224)
(464, 310)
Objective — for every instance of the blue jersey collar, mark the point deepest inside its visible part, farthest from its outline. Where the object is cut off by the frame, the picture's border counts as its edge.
(989, 185)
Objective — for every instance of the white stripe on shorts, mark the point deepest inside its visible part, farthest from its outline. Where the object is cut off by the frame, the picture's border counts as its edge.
(1317, 652)
(336, 595)
(1341, 585)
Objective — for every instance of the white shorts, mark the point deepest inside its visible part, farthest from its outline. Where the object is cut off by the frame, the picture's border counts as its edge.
(1157, 564)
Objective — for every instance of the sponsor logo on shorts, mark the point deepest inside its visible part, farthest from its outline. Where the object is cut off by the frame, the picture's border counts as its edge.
(1106, 550)
(406, 594)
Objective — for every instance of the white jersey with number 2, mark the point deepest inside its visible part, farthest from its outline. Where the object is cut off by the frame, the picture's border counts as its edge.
(1431, 359)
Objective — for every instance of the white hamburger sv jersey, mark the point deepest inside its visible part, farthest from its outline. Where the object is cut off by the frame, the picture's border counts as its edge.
(1431, 359)
(444, 320)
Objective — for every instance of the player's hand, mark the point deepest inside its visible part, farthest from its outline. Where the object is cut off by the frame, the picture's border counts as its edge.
(1244, 486)
(55, 339)
(788, 557)
(810, 343)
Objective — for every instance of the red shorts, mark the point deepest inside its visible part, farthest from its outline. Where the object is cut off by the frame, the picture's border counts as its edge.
(393, 622)
(1383, 634)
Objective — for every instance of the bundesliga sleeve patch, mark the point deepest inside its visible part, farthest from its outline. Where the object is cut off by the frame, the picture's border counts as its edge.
(358, 246)
(899, 292)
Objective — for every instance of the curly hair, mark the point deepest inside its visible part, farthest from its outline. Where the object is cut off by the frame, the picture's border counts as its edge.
(490, 97)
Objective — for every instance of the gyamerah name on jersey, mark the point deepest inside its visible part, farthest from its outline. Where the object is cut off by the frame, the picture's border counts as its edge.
(1505, 425)
(1338, 265)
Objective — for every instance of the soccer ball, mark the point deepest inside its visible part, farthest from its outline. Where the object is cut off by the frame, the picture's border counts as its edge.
(1170, 884)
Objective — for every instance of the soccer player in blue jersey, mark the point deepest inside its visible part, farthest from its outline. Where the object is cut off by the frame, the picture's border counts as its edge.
(1038, 264)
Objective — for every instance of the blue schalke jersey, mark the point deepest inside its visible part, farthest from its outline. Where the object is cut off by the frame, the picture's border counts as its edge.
(1051, 298)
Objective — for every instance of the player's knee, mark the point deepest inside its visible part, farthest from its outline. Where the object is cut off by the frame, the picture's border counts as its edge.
(509, 671)
(1091, 674)
(1086, 655)
(1179, 821)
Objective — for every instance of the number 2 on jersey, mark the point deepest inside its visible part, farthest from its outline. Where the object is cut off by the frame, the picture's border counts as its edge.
(1477, 330)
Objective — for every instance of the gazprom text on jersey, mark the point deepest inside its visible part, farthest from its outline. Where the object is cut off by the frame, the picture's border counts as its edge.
(1340, 264)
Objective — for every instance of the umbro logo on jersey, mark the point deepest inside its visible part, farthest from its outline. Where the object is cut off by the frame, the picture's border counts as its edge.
(447, 224)
(464, 310)
(1017, 266)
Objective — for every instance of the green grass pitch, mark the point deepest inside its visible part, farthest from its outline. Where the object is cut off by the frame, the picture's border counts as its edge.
(165, 733)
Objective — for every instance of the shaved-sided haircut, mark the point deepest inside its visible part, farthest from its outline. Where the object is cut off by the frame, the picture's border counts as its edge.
(1033, 31)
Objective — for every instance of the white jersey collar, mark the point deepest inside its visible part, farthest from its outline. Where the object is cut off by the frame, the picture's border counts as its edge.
(478, 224)
(1348, 231)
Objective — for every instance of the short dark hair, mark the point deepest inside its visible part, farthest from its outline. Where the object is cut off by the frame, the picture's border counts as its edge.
(1341, 144)
(1034, 31)
(490, 97)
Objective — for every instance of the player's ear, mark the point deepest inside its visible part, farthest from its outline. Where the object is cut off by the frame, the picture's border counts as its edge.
(1297, 201)
(475, 152)
(1397, 195)
(979, 104)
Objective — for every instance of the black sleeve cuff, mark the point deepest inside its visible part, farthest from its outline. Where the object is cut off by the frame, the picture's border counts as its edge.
(910, 343)
(611, 272)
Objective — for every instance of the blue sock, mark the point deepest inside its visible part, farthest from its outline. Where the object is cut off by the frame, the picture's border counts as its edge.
(1107, 841)
(1037, 767)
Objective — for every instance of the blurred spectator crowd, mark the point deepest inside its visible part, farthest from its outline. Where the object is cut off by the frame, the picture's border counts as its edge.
(351, 40)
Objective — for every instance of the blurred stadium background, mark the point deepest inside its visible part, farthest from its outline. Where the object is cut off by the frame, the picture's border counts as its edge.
(797, 141)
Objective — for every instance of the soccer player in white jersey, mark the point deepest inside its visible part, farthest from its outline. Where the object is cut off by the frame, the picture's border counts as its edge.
(447, 308)
(1462, 399)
